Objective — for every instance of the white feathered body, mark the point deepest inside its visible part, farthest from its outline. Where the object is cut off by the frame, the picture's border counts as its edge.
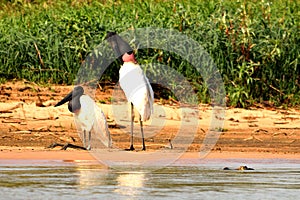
(137, 89)
(91, 118)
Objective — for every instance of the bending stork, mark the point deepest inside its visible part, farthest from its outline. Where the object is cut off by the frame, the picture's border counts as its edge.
(88, 116)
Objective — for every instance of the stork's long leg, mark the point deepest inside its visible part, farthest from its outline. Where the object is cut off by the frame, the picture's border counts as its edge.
(142, 132)
(84, 139)
(131, 130)
(89, 141)
(109, 145)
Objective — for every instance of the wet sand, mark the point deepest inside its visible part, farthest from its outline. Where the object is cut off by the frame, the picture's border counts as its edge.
(78, 155)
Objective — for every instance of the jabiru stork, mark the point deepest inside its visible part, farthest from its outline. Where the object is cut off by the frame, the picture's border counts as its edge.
(133, 82)
(88, 117)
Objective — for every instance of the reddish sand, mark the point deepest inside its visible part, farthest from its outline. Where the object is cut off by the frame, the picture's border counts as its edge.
(70, 155)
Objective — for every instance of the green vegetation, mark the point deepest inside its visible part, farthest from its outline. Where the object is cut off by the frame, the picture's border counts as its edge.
(254, 44)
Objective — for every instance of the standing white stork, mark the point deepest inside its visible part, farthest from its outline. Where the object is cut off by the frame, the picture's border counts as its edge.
(133, 82)
(88, 117)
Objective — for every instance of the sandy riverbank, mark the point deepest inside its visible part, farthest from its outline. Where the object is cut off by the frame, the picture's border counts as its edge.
(29, 123)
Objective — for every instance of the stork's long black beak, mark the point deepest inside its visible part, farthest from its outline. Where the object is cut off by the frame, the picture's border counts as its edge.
(66, 99)
(119, 46)
(77, 91)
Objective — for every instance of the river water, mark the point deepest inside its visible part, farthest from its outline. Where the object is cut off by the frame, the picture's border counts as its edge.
(188, 179)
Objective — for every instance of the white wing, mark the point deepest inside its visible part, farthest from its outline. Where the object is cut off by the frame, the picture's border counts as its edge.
(137, 89)
(100, 128)
(91, 118)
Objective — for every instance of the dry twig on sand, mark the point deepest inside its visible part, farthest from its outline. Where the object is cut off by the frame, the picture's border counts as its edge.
(9, 110)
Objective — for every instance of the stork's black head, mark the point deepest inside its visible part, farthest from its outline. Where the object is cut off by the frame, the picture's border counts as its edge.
(73, 99)
(119, 46)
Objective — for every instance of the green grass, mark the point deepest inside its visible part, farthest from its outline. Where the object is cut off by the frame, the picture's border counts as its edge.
(255, 44)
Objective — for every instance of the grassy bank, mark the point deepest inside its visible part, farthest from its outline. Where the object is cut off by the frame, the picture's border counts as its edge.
(255, 44)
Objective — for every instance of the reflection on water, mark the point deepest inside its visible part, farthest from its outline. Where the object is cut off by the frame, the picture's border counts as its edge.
(92, 175)
(130, 183)
(57, 180)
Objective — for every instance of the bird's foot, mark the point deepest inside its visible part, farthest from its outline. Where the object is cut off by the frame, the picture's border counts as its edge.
(131, 148)
(88, 148)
